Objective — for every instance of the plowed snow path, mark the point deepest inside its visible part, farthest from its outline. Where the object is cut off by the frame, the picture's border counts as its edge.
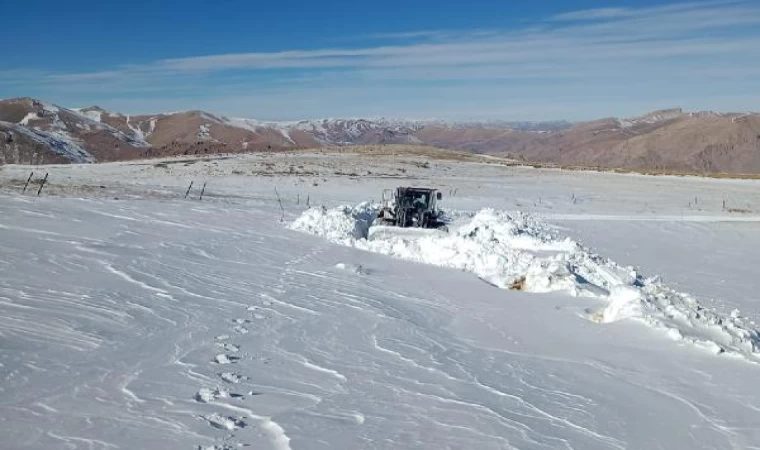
(518, 251)
(112, 312)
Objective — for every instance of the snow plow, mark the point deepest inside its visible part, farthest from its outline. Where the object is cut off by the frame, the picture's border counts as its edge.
(411, 208)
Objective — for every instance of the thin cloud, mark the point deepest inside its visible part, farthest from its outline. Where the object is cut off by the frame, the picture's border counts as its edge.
(593, 14)
(85, 77)
(404, 35)
(656, 32)
(669, 31)
(654, 11)
(701, 42)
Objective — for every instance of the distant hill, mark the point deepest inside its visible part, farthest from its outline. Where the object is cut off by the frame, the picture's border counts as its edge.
(34, 132)
(669, 140)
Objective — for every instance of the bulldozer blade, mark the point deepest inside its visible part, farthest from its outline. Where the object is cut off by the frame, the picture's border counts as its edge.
(386, 232)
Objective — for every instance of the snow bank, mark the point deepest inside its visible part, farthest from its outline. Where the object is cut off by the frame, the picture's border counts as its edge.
(344, 224)
(515, 250)
(501, 248)
(625, 303)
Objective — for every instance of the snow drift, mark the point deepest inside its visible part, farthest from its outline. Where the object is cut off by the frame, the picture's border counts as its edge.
(515, 250)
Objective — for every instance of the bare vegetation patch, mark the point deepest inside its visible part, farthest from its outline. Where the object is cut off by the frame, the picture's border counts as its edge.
(518, 284)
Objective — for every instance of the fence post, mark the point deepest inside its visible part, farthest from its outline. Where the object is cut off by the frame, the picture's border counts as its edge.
(27, 182)
(282, 210)
(42, 185)
(202, 191)
(188, 189)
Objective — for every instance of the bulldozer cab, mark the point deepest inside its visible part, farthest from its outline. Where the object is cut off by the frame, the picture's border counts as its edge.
(418, 198)
(411, 207)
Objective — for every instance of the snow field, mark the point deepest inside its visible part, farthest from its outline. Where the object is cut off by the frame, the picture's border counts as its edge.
(517, 251)
(113, 312)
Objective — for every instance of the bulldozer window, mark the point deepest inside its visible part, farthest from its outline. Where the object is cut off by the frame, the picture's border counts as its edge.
(421, 201)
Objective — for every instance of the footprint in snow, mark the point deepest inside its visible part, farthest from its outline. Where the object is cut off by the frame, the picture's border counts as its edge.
(241, 329)
(229, 347)
(214, 447)
(253, 310)
(206, 395)
(222, 338)
(226, 359)
(224, 422)
(357, 269)
(232, 377)
(241, 321)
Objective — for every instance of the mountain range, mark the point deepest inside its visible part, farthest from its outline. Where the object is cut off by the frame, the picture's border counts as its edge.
(35, 132)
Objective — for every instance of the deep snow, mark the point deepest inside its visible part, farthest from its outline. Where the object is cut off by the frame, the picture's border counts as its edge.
(156, 322)
(516, 251)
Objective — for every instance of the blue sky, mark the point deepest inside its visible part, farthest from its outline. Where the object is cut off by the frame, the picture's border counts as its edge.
(505, 60)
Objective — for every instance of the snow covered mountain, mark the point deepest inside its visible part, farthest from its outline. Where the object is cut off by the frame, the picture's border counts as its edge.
(666, 140)
(35, 132)
(359, 131)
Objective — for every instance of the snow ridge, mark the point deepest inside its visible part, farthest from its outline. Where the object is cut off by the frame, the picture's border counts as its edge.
(256, 125)
(515, 250)
(88, 122)
(59, 141)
